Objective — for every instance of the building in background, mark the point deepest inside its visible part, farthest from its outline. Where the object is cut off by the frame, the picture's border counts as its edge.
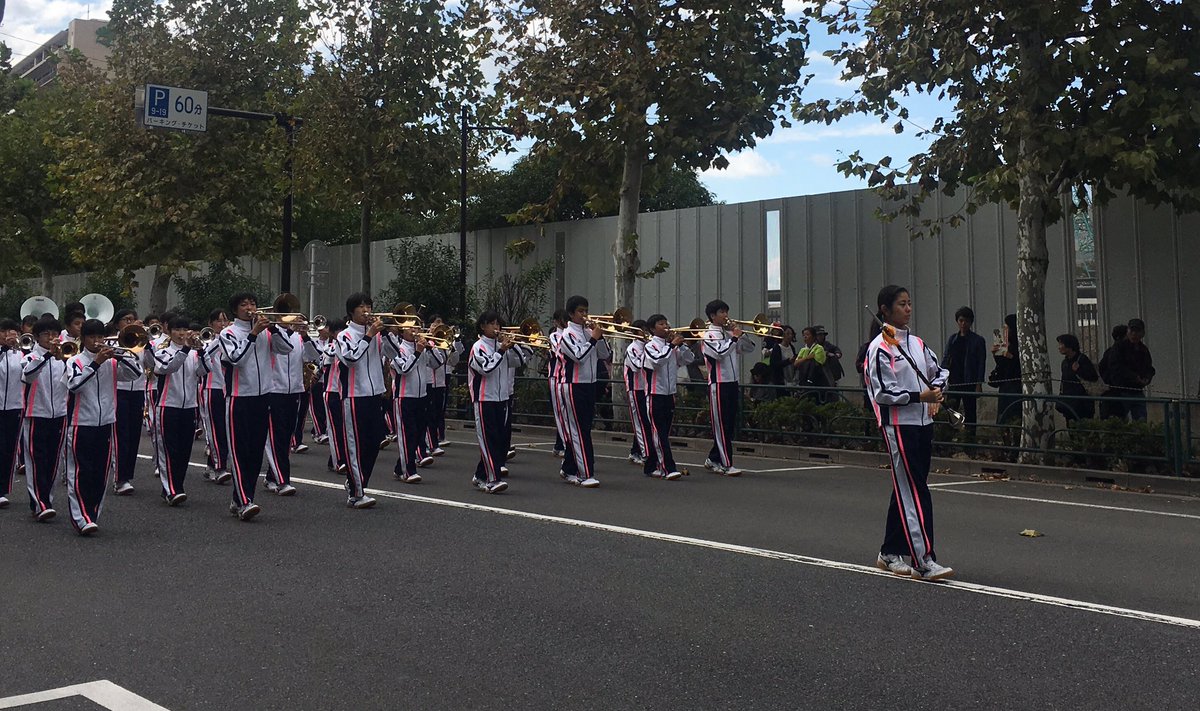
(41, 67)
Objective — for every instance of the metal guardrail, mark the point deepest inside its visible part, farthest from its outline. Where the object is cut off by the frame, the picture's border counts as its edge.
(839, 418)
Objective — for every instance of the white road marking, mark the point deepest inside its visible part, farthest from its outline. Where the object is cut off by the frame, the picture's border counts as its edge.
(944, 484)
(795, 469)
(1075, 503)
(103, 692)
(780, 555)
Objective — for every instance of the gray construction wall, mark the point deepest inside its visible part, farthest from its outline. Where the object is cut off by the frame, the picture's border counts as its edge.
(1148, 267)
(834, 257)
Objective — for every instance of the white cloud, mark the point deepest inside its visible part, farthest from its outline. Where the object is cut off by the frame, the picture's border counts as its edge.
(746, 164)
(811, 133)
(29, 23)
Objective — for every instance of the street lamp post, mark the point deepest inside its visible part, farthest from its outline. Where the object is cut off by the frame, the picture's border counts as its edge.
(465, 133)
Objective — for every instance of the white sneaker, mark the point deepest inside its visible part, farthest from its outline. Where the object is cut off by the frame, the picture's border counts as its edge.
(272, 487)
(712, 466)
(512, 454)
(590, 483)
(496, 487)
(571, 479)
(210, 474)
(479, 484)
(249, 511)
(635, 459)
(503, 471)
(657, 474)
(672, 476)
(3, 502)
(361, 502)
(88, 529)
(731, 471)
(561, 454)
(321, 439)
(342, 469)
(893, 564)
(930, 570)
(123, 488)
(425, 461)
(387, 442)
(409, 478)
(177, 499)
(300, 449)
(444, 443)
(286, 490)
(45, 515)
(224, 477)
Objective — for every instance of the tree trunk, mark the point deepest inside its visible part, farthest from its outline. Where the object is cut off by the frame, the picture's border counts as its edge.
(1033, 260)
(47, 281)
(364, 234)
(159, 287)
(626, 260)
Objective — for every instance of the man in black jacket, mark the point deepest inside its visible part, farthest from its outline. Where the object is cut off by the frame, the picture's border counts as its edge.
(966, 359)
(1134, 370)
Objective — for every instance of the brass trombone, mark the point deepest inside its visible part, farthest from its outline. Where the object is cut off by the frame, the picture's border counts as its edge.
(760, 326)
(132, 339)
(440, 337)
(616, 325)
(527, 333)
(694, 331)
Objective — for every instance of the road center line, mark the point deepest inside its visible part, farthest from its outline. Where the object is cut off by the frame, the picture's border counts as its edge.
(962, 483)
(1081, 605)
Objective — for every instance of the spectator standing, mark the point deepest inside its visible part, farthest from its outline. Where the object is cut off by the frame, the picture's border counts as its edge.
(1111, 406)
(772, 357)
(1076, 368)
(833, 359)
(1135, 370)
(1006, 374)
(966, 359)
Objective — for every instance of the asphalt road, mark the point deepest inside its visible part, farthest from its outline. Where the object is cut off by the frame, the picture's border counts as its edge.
(706, 593)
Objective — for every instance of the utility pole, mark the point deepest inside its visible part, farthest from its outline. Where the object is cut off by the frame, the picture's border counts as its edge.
(465, 135)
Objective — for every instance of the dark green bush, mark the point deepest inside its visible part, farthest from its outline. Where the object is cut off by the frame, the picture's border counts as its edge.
(201, 293)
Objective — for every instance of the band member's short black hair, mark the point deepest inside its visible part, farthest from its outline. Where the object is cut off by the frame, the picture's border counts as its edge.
(336, 325)
(651, 322)
(357, 299)
(560, 317)
(713, 307)
(574, 303)
(122, 314)
(46, 323)
(178, 322)
(965, 312)
(640, 323)
(216, 314)
(1119, 331)
(236, 300)
(485, 318)
(73, 316)
(1136, 324)
(74, 307)
(93, 327)
(8, 324)
(29, 320)
(153, 317)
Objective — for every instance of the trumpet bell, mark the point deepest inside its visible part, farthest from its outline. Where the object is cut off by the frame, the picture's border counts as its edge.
(133, 338)
(26, 342)
(68, 349)
(154, 331)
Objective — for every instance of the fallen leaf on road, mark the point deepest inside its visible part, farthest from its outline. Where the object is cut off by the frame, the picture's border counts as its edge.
(1030, 533)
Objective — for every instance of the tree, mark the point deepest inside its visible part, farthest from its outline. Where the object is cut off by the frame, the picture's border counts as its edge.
(617, 87)
(506, 197)
(387, 87)
(133, 196)
(1047, 98)
(426, 275)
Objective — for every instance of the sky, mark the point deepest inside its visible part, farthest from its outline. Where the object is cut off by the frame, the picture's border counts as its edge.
(794, 161)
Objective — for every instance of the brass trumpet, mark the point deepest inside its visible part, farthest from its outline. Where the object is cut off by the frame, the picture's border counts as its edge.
(154, 331)
(26, 342)
(68, 349)
(132, 339)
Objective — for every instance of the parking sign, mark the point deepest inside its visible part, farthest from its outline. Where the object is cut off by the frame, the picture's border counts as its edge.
(179, 109)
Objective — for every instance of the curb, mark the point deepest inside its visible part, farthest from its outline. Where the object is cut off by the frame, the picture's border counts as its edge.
(1148, 483)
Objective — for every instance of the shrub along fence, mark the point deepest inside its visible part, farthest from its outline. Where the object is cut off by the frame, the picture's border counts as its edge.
(838, 418)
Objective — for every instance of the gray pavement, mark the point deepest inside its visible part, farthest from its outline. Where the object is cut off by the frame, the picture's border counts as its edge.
(426, 605)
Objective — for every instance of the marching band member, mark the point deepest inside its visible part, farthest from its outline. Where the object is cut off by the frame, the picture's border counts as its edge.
(664, 354)
(487, 364)
(246, 350)
(411, 373)
(73, 319)
(554, 376)
(92, 378)
(284, 408)
(520, 356)
(312, 400)
(635, 394)
(362, 351)
(443, 365)
(11, 404)
(580, 349)
(905, 384)
(43, 373)
(178, 378)
(131, 407)
(332, 399)
(721, 353)
(210, 398)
